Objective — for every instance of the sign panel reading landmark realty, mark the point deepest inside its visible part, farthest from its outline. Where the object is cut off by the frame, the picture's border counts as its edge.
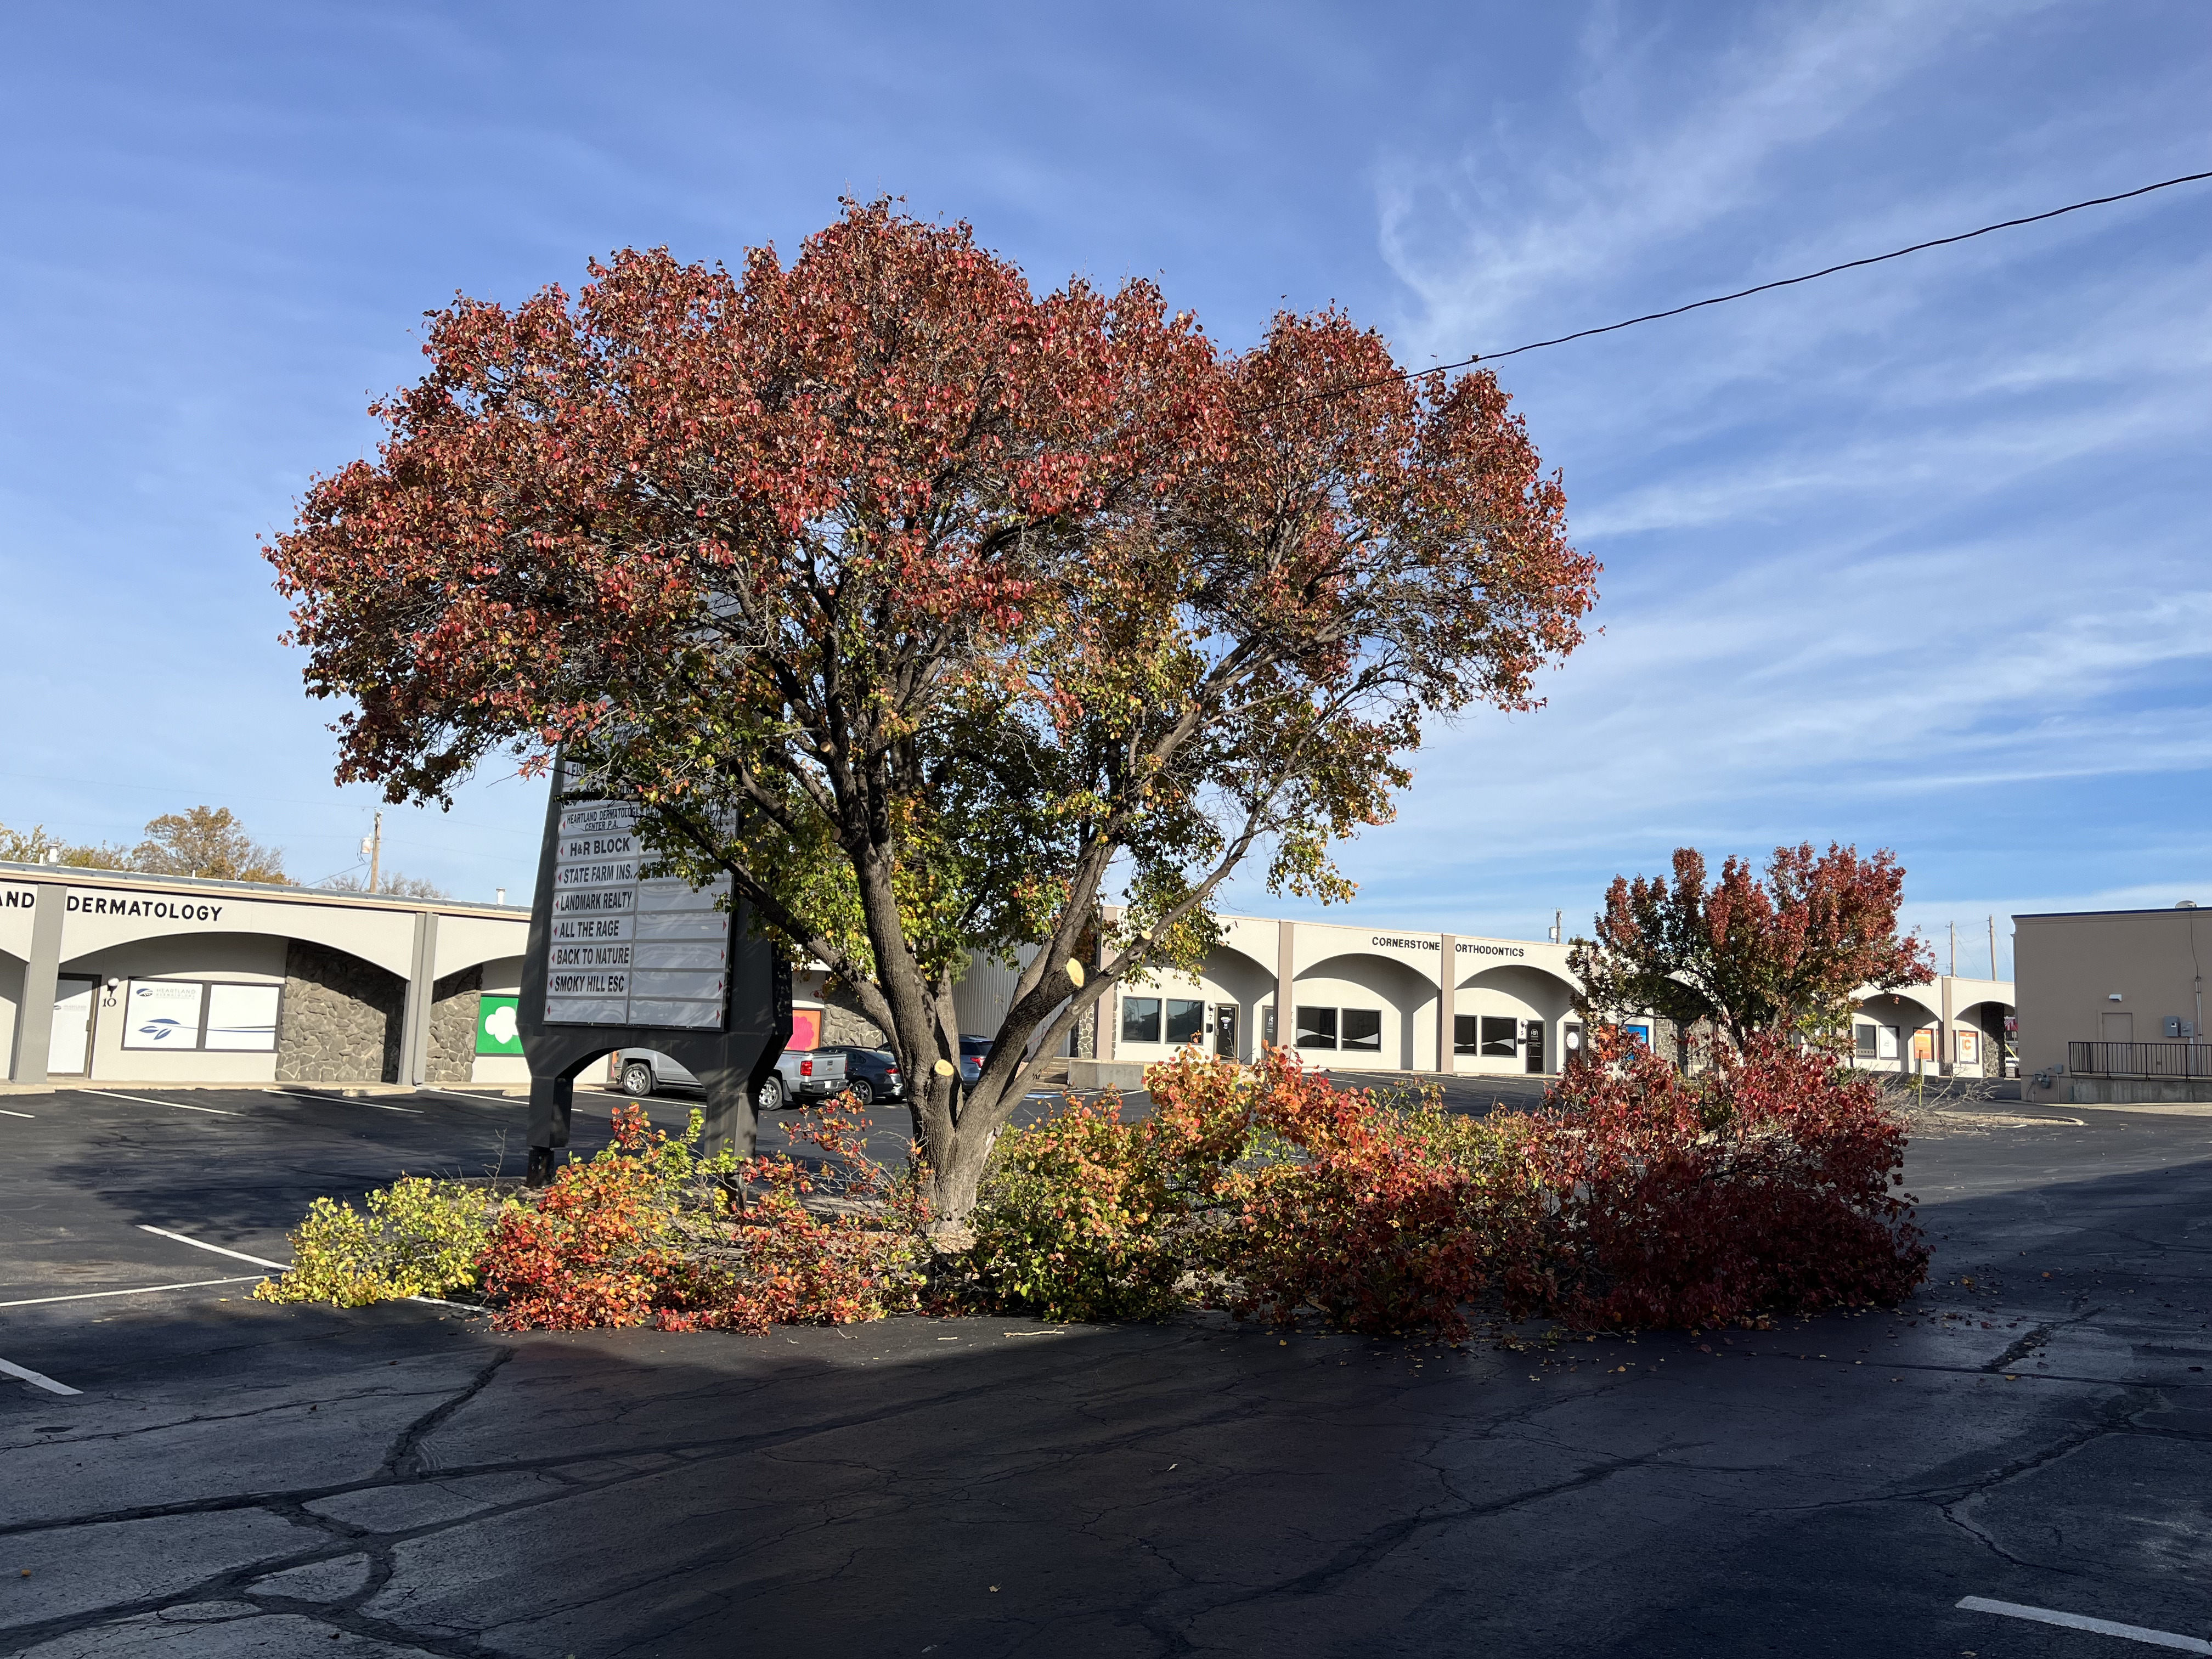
(622, 950)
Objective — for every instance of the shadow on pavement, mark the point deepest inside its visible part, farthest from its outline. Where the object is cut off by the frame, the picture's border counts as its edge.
(992, 1486)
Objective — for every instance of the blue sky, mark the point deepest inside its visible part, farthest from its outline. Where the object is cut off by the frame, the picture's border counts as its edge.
(1913, 557)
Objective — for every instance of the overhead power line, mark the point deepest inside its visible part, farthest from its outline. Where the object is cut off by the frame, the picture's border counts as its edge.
(1740, 294)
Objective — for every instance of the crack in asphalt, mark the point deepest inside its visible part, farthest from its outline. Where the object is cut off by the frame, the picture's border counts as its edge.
(407, 1446)
(2035, 1339)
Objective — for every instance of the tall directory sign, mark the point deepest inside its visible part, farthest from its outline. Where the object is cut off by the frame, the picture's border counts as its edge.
(621, 960)
(622, 950)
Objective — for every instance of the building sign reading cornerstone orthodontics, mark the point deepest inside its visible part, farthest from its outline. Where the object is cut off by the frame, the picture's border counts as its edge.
(620, 951)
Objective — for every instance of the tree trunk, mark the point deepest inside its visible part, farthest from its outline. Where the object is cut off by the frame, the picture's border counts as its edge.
(954, 1185)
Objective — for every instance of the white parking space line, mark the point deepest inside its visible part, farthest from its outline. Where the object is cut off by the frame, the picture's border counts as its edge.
(37, 1379)
(481, 1100)
(2157, 1639)
(111, 1095)
(197, 1245)
(343, 1100)
(141, 1290)
(4, 1112)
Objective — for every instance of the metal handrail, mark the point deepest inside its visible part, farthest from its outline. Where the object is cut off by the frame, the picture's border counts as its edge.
(2174, 1059)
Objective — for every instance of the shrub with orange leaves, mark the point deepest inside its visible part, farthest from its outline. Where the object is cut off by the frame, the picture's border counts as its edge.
(1085, 1216)
(647, 1232)
(1633, 1197)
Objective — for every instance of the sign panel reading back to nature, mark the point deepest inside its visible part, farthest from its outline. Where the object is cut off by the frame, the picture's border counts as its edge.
(623, 951)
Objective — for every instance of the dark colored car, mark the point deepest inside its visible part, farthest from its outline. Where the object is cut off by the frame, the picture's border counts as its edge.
(870, 1073)
(974, 1051)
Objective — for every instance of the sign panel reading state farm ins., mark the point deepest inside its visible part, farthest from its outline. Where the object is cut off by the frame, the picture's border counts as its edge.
(622, 952)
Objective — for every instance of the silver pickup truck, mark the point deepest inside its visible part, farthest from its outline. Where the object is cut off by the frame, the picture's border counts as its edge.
(800, 1075)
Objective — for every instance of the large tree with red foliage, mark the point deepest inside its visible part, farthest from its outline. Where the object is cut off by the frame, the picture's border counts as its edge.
(927, 607)
(1781, 956)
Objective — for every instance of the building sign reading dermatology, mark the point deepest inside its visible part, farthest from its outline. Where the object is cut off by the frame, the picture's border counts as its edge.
(622, 950)
(150, 907)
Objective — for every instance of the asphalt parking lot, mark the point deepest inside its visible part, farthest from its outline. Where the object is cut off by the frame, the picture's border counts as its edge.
(230, 1477)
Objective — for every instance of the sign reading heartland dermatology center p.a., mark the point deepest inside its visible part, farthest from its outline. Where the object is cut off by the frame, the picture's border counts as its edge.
(625, 952)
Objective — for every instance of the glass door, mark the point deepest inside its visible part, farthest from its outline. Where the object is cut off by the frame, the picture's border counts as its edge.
(1532, 1040)
(69, 1050)
(1224, 1030)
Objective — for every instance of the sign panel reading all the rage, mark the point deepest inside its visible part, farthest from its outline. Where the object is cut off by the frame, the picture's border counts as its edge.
(622, 952)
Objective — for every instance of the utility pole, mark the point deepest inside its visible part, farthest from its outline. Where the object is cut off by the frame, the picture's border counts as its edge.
(1993, 947)
(1955, 950)
(372, 848)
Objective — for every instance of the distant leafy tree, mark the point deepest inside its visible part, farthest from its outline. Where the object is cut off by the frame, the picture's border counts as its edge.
(394, 885)
(1782, 955)
(209, 841)
(35, 846)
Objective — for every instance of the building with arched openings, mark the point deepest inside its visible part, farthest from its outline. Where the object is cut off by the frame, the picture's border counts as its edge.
(1358, 998)
(115, 975)
(1384, 999)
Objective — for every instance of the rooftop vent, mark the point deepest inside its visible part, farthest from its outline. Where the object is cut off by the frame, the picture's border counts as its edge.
(2186, 904)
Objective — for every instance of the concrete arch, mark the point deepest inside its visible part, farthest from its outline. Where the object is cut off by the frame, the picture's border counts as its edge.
(1522, 976)
(1231, 983)
(340, 1013)
(1406, 998)
(1526, 995)
(384, 937)
(1251, 981)
(1900, 1006)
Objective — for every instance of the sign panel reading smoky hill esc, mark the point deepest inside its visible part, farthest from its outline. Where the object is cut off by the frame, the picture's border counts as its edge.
(623, 951)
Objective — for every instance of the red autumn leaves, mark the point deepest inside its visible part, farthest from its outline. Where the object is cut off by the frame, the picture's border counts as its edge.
(954, 599)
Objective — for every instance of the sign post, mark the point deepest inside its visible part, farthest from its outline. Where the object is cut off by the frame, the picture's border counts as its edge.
(616, 961)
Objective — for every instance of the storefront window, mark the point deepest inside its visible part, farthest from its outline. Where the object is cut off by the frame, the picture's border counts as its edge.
(1865, 1034)
(241, 1018)
(1186, 1020)
(1316, 1027)
(1465, 1038)
(1363, 1029)
(172, 1014)
(1499, 1035)
(1141, 1019)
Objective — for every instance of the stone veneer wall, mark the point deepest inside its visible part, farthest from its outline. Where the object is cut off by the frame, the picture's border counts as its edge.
(843, 1022)
(342, 1018)
(452, 1056)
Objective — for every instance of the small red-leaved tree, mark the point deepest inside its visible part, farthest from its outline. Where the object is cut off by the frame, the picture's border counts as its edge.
(1767, 1186)
(1784, 955)
(920, 604)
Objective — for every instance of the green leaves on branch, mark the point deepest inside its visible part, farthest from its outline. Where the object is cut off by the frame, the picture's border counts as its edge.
(416, 1237)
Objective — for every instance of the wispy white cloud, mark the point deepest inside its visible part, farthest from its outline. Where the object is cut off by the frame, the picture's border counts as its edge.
(1879, 551)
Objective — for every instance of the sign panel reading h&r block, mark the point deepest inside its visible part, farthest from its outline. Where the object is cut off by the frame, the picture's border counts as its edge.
(626, 952)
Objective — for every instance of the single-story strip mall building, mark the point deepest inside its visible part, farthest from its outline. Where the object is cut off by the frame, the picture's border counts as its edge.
(111, 975)
(1385, 999)
(115, 975)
